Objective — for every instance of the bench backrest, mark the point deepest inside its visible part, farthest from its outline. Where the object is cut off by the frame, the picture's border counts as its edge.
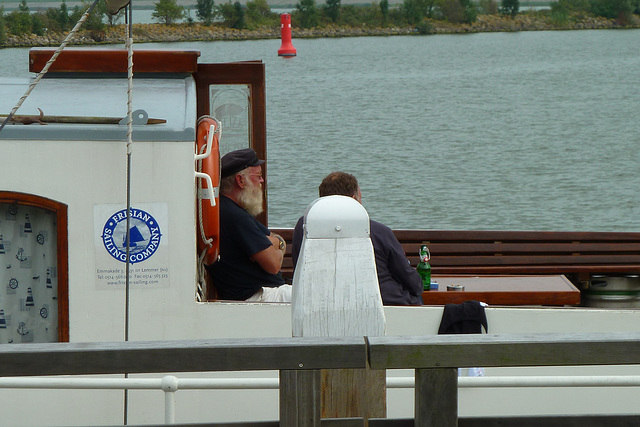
(575, 254)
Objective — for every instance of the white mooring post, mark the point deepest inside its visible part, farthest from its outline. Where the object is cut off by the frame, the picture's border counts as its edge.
(336, 294)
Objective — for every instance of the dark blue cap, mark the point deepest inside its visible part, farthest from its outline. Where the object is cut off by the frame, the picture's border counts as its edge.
(235, 161)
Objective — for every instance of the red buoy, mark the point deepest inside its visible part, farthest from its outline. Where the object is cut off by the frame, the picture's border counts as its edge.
(286, 49)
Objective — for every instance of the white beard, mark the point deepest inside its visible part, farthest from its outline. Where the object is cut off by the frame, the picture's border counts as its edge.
(251, 199)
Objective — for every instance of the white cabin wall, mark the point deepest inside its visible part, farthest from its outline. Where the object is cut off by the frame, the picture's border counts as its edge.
(164, 172)
(54, 169)
(161, 172)
(241, 320)
(48, 408)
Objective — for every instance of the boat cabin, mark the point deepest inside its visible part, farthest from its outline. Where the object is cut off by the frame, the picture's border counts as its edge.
(69, 170)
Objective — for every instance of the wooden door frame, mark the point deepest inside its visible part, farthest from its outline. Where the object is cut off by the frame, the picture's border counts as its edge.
(251, 73)
(62, 248)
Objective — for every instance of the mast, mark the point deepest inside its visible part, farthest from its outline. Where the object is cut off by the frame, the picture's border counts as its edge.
(129, 44)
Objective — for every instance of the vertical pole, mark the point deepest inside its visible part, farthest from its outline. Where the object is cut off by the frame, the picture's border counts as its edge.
(169, 385)
(169, 407)
(336, 294)
(300, 398)
(129, 45)
(436, 397)
(354, 393)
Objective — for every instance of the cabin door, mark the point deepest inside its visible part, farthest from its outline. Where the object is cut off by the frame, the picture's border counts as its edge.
(34, 298)
(234, 93)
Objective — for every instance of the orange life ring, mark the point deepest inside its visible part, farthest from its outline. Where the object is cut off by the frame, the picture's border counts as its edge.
(208, 213)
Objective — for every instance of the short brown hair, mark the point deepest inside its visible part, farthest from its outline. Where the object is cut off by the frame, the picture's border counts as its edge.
(338, 184)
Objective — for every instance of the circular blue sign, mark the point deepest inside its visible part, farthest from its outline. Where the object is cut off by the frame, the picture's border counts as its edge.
(144, 235)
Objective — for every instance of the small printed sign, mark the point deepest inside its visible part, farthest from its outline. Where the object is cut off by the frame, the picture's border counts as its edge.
(144, 235)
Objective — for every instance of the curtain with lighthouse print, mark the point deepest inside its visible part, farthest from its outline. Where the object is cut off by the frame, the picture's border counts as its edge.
(28, 276)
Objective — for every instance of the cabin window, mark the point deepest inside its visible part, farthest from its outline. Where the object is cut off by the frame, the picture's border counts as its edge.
(33, 269)
(235, 94)
(230, 104)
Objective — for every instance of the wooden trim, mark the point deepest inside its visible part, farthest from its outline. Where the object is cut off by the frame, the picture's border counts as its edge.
(63, 273)
(443, 383)
(577, 254)
(83, 60)
(525, 248)
(251, 73)
(550, 421)
(299, 397)
(539, 269)
(231, 354)
(435, 358)
(426, 236)
(504, 350)
(62, 247)
(504, 290)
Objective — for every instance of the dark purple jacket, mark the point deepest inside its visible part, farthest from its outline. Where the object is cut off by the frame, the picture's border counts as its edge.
(400, 283)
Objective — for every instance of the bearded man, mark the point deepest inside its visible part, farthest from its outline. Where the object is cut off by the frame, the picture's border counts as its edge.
(250, 255)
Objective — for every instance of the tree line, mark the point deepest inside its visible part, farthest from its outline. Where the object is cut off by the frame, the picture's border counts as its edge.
(22, 21)
(307, 14)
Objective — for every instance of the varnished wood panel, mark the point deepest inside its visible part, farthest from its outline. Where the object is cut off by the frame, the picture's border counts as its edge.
(251, 73)
(84, 60)
(578, 254)
(405, 235)
(504, 290)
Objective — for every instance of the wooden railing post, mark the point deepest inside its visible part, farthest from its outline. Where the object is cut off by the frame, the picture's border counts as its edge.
(336, 294)
(436, 397)
(300, 398)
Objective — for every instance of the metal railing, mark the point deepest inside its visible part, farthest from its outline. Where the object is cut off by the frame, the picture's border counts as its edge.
(170, 384)
(436, 360)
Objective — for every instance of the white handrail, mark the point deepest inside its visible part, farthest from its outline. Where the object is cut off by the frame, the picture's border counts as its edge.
(531, 381)
(167, 383)
(211, 191)
(140, 383)
(549, 381)
(171, 384)
(207, 153)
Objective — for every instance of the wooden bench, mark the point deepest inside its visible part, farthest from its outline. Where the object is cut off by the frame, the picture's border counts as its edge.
(577, 255)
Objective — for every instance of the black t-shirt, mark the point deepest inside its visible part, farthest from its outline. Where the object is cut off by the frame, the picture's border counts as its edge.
(234, 275)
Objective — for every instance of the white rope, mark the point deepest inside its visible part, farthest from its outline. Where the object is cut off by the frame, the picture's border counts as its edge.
(200, 292)
(129, 44)
(202, 285)
(49, 62)
(203, 236)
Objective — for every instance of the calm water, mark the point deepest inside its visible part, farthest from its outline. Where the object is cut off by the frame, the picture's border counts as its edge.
(515, 131)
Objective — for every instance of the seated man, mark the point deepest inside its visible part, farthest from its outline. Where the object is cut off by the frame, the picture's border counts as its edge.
(250, 255)
(400, 283)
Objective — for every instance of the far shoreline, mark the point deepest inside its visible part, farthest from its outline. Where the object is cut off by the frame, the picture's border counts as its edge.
(183, 32)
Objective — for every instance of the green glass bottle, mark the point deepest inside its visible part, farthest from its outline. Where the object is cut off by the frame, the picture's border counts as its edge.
(424, 269)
